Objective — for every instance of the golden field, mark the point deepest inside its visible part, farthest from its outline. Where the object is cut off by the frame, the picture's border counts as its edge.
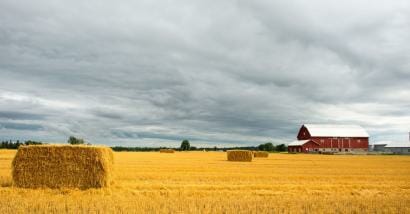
(204, 182)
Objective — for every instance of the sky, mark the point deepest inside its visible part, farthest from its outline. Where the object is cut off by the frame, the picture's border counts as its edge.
(219, 73)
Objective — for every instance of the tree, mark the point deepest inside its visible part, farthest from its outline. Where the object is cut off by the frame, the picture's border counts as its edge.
(32, 142)
(185, 145)
(74, 141)
(281, 148)
(269, 147)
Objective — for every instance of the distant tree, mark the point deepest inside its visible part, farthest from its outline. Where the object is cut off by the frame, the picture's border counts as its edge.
(215, 148)
(74, 141)
(15, 145)
(281, 148)
(32, 142)
(193, 148)
(269, 147)
(185, 145)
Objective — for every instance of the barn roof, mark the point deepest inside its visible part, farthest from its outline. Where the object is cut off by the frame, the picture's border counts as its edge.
(298, 142)
(332, 130)
(398, 145)
(381, 143)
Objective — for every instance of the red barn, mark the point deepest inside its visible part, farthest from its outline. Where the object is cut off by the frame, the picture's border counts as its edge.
(330, 138)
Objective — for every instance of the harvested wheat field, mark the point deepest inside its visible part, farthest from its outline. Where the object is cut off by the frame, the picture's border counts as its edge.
(198, 182)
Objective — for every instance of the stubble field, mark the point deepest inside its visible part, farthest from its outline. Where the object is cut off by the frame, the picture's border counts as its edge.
(204, 182)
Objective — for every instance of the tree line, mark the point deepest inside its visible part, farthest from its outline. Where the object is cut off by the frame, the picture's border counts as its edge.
(185, 146)
(269, 147)
(16, 144)
(9, 144)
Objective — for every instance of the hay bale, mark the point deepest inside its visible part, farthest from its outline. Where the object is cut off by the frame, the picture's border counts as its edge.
(239, 155)
(166, 151)
(62, 166)
(260, 154)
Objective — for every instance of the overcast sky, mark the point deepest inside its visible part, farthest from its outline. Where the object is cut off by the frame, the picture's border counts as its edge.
(151, 73)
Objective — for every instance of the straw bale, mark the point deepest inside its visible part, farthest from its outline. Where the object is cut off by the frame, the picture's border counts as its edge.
(63, 166)
(260, 154)
(239, 155)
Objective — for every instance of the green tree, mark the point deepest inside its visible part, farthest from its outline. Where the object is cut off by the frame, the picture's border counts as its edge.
(269, 147)
(74, 141)
(32, 142)
(281, 148)
(185, 145)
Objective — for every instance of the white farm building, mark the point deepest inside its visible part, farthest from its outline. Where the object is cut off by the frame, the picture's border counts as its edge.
(398, 148)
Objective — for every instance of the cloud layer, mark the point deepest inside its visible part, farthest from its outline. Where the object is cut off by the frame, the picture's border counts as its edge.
(148, 73)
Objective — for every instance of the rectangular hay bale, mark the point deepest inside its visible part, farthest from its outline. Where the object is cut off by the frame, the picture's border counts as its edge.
(260, 154)
(63, 166)
(166, 151)
(239, 155)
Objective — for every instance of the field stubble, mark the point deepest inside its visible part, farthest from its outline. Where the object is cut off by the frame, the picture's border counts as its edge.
(204, 182)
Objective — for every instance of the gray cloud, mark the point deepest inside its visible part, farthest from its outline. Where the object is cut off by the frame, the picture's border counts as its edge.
(20, 126)
(14, 115)
(228, 73)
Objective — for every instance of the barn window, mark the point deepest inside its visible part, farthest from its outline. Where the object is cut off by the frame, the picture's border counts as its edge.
(316, 150)
(408, 150)
(346, 150)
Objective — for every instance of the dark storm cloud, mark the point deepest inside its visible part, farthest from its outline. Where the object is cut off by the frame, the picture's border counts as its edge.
(14, 115)
(20, 126)
(231, 72)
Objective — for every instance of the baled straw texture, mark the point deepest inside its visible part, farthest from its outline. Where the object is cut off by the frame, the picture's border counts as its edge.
(63, 166)
(239, 155)
(260, 154)
(166, 151)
